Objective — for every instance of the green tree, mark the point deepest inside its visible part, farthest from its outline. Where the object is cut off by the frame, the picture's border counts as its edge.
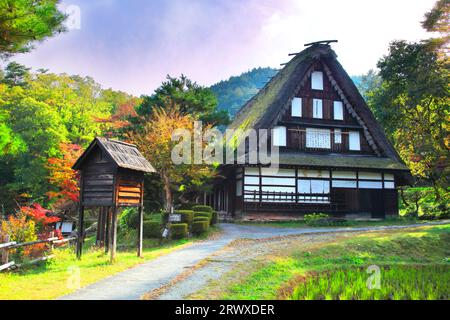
(191, 99)
(23, 22)
(16, 74)
(412, 100)
(35, 119)
(368, 82)
(438, 19)
(412, 103)
(155, 142)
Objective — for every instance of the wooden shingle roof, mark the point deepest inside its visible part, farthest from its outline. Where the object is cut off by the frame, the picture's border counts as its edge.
(124, 155)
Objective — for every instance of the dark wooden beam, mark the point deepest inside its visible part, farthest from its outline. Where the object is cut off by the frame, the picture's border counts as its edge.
(107, 228)
(113, 235)
(320, 42)
(80, 232)
(140, 231)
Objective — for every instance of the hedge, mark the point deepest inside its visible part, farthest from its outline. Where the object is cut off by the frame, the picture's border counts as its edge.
(178, 231)
(322, 219)
(199, 227)
(186, 216)
(202, 219)
(201, 208)
(152, 229)
(203, 214)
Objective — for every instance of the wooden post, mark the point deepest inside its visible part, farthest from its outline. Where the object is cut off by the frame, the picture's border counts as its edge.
(52, 235)
(140, 231)
(107, 228)
(80, 231)
(5, 251)
(98, 240)
(113, 235)
(104, 236)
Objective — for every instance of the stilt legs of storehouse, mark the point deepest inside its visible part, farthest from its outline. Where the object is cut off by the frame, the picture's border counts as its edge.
(107, 230)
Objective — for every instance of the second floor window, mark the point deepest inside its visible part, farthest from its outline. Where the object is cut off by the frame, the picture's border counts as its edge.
(318, 138)
(317, 80)
(317, 109)
(354, 141)
(296, 110)
(338, 110)
(279, 136)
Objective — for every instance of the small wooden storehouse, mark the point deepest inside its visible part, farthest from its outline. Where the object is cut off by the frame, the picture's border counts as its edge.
(334, 156)
(111, 176)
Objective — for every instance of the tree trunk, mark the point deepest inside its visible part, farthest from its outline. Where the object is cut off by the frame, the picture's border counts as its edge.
(437, 192)
(167, 192)
(402, 195)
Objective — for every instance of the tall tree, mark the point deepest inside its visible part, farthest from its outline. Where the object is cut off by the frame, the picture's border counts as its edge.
(191, 98)
(23, 22)
(63, 178)
(438, 19)
(16, 74)
(155, 142)
(37, 118)
(412, 103)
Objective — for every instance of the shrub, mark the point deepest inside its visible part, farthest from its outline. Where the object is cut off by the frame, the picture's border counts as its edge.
(39, 215)
(322, 220)
(186, 216)
(152, 229)
(203, 214)
(153, 216)
(129, 218)
(199, 227)
(21, 229)
(312, 219)
(202, 208)
(179, 231)
(202, 219)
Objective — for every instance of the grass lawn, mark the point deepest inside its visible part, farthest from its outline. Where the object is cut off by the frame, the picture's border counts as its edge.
(301, 224)
(337, 269)
(56, 277)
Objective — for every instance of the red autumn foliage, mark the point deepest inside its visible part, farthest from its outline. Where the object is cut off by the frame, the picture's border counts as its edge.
(39, 215)
(63, 177)
(120, 118)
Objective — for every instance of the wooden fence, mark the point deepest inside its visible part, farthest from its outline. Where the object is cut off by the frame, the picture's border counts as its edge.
(6, 245)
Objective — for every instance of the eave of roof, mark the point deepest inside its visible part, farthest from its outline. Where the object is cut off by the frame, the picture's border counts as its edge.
(123, 154)
(340, 161)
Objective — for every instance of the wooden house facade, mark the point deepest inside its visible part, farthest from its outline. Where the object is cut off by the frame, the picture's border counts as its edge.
(333, 155)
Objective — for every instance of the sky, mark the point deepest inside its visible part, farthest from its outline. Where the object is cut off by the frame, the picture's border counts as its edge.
(131, 45)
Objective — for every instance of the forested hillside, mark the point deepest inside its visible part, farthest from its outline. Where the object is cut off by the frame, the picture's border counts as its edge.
(234, 92)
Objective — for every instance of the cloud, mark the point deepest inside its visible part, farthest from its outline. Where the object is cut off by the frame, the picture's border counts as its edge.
(132, 45)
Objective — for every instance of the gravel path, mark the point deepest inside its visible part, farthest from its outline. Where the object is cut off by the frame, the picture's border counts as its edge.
(163, 271)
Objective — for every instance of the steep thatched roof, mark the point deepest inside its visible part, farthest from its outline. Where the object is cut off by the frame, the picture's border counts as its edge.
(267, 108)
(124, 155)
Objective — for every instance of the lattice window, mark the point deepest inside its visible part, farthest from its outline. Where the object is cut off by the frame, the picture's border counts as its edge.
(318, 138)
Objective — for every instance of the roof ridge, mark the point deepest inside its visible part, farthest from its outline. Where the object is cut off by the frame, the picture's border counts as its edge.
(118, 142)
